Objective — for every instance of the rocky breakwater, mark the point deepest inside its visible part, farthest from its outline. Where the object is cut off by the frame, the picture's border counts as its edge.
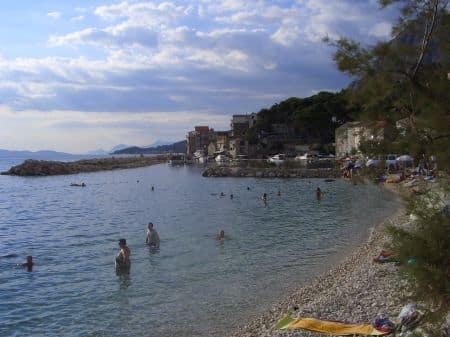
(273, 172)
(32, 167)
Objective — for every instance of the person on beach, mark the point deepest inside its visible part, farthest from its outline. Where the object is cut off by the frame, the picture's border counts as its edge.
(221, 236)
(152, 238)
(319, 193)
(123, 257)
(29, 264)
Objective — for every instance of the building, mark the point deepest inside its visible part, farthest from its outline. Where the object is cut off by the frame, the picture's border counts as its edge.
(199, 139)
(348, 136)
(241, 123)
(223, 141)
(238, 143)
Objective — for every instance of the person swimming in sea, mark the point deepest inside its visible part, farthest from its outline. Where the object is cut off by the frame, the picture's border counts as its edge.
(222, 194)
(221, 236)
(29, 264)
(123, 257)
(319, 193)
(152, 238)
(153, 188)
(231, 196)
(279, 193)
(264, 197)
(78, 185)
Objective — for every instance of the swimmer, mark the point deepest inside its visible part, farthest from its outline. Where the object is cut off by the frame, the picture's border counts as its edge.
(248, 188)
(264, 197)
(279, 193)
(222, 194)
(123, 257)
(78, 185)
(221, 235)
(231, 196)
(319, 193)
(29, 264)
(153, 188)
(152, 238)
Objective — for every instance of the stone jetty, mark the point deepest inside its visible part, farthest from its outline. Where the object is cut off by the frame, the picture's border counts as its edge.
(32, 167)
(272, 172)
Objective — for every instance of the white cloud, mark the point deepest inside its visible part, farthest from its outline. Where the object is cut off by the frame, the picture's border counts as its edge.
(381, 30)
(163, 59)
(77, 18)
(54, 15)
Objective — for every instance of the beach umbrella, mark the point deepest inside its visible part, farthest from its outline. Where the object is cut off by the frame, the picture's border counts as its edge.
(405, 158)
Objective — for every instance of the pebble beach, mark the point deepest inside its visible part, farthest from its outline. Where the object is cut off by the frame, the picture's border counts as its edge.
(354, 291)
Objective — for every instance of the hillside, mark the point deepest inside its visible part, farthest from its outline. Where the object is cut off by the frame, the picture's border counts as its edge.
(178, 147)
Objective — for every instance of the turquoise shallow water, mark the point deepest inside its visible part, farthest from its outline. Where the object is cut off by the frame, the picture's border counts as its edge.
(193, 286)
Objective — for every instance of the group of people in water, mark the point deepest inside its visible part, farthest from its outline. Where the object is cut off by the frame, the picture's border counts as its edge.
(152, 237)
(123, 256)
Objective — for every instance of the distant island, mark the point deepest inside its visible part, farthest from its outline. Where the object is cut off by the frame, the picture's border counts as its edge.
(178, 147)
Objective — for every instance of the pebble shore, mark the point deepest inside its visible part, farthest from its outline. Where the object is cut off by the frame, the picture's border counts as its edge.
(356, 291)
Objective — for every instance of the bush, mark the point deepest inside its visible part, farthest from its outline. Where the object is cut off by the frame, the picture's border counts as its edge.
(425, 249)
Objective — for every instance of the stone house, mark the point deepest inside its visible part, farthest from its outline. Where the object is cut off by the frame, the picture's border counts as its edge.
(348, 136)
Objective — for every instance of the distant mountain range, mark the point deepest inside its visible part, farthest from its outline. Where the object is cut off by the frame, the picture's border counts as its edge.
(35, 154)
(178, 147)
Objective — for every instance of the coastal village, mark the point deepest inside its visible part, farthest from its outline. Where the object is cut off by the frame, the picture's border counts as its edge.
(348, 234)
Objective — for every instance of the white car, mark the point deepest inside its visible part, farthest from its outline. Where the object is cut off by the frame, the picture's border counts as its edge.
(277, 159)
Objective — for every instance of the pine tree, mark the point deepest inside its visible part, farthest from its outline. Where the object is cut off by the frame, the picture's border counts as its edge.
(408, 78)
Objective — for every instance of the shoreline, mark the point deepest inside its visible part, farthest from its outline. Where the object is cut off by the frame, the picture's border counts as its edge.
(32, 167)
(354, 290)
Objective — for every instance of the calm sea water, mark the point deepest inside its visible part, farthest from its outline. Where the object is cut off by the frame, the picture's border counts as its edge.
(192, 286)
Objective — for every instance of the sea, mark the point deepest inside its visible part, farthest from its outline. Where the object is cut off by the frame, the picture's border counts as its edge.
(193, 285)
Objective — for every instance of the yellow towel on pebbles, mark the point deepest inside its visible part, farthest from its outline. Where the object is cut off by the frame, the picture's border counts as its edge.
(332, 328)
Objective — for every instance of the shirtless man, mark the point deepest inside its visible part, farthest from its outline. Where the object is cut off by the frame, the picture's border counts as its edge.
(152, 236)
(123, 257)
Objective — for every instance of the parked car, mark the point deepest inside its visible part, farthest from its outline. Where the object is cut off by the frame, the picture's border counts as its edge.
(277, 159)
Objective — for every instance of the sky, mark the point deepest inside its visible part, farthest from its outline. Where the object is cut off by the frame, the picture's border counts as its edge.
(77, 76)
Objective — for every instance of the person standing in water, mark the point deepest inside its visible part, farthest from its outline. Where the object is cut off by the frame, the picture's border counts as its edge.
(152, 238)
(123, 257)
(221, 235)
(29, 264)
(318, 193)
(264, 197)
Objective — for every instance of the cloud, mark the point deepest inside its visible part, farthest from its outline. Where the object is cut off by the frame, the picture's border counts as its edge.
(381, 30)
(77, 18)
(173, 57)
(54, 15)
(96, 129)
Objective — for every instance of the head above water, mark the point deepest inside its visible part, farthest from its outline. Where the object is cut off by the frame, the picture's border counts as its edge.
(150, 226)
(122, 242)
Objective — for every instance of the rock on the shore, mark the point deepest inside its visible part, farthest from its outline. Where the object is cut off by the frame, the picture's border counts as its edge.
(275, 172)
(32, 167)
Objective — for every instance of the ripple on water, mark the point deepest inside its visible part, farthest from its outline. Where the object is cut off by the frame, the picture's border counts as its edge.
(193, 284)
